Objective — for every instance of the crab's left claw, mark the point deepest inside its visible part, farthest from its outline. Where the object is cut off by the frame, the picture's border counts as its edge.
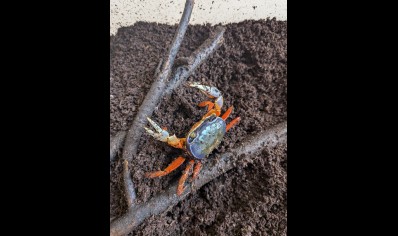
(163, 135)
(160, 134)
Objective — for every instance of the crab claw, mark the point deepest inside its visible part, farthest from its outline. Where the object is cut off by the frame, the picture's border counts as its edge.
(160, 134)
(211, 92)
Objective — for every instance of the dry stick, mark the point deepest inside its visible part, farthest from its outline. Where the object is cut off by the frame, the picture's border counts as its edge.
(157, 89)
(197, 57)
(163, 201)
(151, 101)
(129, 185)
(116, 144)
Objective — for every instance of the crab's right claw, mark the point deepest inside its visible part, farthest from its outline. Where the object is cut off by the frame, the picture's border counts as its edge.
(160, 133)
(211, 92)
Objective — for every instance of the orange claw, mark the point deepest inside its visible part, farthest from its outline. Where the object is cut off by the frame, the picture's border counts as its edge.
(173, 165)
(232, 123)
(207, 103)
(181, 182)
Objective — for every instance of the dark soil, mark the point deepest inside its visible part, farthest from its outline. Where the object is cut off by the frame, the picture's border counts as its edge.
(251, 71)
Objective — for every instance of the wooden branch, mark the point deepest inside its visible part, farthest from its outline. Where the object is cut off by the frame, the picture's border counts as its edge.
(189, 65)
(157, 89)
(128, 185)
(116, 144)
(163, 201)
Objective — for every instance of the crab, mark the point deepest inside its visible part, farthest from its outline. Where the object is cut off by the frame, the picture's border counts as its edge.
(201, 140)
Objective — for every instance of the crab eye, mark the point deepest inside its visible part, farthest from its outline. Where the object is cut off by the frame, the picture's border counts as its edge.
(191, 137)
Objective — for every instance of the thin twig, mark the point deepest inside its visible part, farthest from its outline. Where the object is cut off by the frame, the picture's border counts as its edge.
(157, 89)
(128, 185)
(163, 201)
(116, 144)
(182, 72)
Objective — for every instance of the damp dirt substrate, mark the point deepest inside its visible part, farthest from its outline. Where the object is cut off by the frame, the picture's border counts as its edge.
(250, 69)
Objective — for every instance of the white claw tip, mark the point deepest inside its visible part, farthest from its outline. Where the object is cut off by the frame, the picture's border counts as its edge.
(194, 84)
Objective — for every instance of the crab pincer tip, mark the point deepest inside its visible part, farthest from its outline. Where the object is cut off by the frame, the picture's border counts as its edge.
(193, 84)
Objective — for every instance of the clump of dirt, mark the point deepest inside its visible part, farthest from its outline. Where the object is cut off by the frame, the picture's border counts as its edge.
(250, 69)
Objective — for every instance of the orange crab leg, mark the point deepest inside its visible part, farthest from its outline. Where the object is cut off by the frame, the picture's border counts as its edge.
(181, 182)
(173, 165)
(205, 103)
(196, 170)
(227, 113)
(232, 123)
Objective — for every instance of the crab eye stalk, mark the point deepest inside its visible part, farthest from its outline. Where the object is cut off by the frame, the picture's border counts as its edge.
(191, 137)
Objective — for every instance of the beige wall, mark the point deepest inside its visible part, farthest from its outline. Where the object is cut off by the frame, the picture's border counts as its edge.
(127, 12)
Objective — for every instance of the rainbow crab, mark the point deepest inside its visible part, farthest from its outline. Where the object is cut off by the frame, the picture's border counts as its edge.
(200, 141)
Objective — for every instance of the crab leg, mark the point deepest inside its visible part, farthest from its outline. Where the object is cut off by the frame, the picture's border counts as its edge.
(173, 165)
(232, 123)
(211, 92)
(181, 182)
(227, 113)
(163, 135)
(196, 170)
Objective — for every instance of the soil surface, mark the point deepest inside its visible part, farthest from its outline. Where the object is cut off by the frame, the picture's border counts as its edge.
(250, 69)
